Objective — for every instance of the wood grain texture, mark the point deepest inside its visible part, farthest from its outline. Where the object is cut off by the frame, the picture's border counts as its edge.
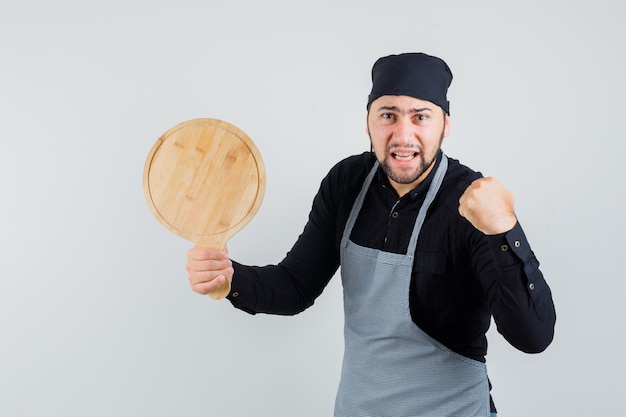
(204, 180)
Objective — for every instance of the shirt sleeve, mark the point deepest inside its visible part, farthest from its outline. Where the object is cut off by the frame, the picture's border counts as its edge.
(293, 284)
(519, 297)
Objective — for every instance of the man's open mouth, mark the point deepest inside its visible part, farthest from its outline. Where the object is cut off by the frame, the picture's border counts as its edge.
(404, 156)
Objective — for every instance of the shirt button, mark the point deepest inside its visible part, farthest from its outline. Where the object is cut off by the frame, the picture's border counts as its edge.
(235, 294)
(531, 286)
(517, 244)
(504, 248)
(394, 214)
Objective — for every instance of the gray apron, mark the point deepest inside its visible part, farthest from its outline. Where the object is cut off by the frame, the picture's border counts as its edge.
(392, 368)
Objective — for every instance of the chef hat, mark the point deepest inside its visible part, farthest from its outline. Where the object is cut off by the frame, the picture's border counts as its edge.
(411, 74)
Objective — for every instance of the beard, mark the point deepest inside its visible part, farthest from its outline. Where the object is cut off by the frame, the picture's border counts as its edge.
(409, 175)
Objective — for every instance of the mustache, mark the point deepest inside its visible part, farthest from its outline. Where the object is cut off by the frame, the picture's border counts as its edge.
(393, 146)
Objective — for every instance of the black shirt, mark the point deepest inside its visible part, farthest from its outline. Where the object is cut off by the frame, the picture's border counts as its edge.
(461, 277)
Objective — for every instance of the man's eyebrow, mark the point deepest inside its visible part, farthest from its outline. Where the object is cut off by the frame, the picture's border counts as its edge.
(396, 109)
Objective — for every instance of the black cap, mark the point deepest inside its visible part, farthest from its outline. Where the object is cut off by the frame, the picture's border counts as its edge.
(412, 74)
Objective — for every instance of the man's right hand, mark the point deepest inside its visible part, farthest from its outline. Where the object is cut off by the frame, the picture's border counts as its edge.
(208, 269)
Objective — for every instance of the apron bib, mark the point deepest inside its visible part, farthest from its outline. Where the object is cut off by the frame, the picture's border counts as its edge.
(391, 368)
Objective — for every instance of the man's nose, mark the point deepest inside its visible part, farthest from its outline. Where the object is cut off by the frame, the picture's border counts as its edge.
(403, 130)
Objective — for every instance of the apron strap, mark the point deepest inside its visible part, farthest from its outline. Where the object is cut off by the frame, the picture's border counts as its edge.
(358, 203)
(430, 196)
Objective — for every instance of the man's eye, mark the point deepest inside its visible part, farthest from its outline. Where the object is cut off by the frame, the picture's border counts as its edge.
(421, 117)
(387, 116)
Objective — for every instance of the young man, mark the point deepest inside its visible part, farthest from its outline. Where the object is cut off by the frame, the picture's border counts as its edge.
(428, 249)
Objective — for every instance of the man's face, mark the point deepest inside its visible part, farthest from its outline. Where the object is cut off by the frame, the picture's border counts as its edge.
(406, 134)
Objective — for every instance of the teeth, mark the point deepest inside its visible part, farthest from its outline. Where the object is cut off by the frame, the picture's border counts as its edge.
(404, 156)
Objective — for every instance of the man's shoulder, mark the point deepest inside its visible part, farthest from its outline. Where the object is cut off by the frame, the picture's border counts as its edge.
(365, 159)
(352, 168)
(458, 178)
(459, 174)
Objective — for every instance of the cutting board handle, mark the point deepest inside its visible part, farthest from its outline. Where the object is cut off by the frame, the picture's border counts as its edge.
(221, 291)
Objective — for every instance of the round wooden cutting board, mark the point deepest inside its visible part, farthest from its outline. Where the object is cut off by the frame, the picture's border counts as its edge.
(204, 180)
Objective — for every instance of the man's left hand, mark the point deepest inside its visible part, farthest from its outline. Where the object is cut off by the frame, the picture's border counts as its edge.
(488, 206)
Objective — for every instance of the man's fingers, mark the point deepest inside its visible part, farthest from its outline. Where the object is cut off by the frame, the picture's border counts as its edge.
(206, 287)
(208, 269)
(488, 206)
(206, 276)
(194, 266)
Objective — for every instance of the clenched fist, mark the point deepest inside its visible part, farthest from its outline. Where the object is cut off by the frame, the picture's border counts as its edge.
(208, 269)
(488, 206)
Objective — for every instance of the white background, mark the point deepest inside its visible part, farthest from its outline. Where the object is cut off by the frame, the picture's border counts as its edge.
(96, 316)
